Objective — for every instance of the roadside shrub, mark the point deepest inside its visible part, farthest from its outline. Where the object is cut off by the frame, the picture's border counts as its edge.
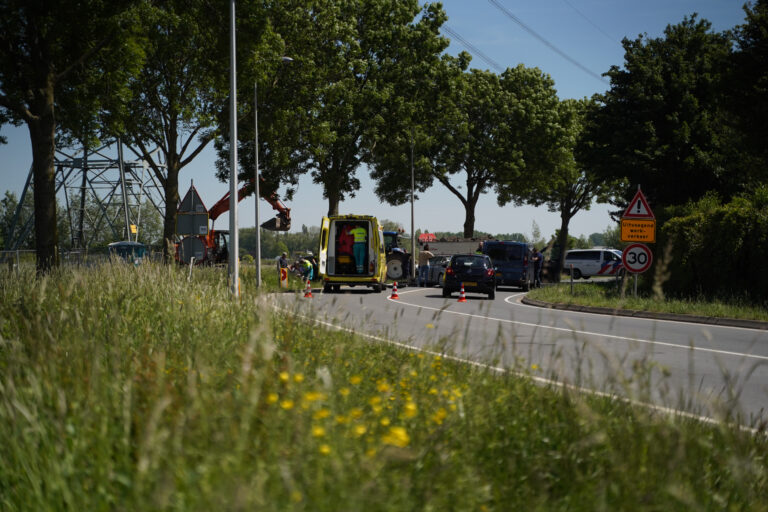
(719, 249)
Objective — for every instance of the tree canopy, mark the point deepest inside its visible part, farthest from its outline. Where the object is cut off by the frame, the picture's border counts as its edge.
(60, 62)
(663, 124)
(482, 132)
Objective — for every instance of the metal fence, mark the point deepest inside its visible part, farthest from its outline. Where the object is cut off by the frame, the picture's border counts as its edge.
(14, 260)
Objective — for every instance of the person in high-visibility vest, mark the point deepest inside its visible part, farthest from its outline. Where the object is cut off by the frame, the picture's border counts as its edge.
(306, 268)
(358, 248)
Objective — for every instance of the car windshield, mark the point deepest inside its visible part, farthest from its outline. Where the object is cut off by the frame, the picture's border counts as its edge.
(468, 262)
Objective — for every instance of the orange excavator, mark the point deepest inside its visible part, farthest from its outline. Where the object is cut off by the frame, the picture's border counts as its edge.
(211, 248)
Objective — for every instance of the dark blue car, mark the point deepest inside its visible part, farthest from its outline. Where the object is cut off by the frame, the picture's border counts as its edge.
(473, 271)
(512, 261)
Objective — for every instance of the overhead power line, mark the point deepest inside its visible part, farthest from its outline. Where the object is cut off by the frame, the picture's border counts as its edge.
(554, 48)
(473, 49)
(606, 34)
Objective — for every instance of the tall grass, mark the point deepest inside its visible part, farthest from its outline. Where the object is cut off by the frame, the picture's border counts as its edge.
(127, 388)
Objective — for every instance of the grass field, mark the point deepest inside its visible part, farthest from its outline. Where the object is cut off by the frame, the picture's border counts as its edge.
(150, 388)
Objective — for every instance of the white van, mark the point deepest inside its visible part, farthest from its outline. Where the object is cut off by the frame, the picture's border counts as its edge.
(593, 262)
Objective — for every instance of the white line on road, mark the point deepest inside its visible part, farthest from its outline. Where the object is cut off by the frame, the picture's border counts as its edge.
(586, 333)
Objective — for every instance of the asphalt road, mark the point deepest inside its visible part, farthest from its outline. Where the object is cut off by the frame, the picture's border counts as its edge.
(707, 370)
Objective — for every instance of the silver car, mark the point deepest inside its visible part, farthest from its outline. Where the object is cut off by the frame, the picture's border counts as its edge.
(436, 272)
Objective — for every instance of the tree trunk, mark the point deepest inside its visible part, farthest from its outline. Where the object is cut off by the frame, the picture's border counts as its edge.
(171, 204)
(333, 201)
(469, 219)
(41, 132)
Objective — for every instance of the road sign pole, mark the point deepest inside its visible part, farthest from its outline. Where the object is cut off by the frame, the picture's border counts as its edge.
(634, 292)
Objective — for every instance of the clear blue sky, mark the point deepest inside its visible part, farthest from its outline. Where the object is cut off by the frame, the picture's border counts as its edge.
(588, 32)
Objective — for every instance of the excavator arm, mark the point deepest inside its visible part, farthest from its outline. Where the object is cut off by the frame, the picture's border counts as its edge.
(281, 222)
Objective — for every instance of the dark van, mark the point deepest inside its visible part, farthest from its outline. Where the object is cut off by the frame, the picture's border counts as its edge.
(512, 261)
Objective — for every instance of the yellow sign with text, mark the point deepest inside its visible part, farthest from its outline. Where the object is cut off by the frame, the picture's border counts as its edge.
(638, 230)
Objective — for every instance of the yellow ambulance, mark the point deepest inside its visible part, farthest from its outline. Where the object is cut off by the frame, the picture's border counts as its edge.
(352, 253)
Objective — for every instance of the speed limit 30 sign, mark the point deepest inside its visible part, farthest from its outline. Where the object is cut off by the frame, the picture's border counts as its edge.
(637, 258)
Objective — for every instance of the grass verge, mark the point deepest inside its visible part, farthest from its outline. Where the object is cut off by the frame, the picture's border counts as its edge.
(127, 388)
(607, 294)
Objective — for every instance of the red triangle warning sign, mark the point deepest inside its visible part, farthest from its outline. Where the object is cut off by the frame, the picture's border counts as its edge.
(638, 208)
(192, 203)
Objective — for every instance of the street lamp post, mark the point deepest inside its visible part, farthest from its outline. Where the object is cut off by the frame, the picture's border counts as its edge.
(256, 180)
(413, 228)
(234, 245)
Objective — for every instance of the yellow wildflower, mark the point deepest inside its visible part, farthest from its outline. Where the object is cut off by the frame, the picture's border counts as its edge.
(397, 436)
(355, 380)
(284, 376)
(410, 410)
(384, 422)
(299, 377)
(355, 412)
(321, 414)
(344, 391)
(382, 386)
(325, 449)
(439, 416)
(287, 404)
(314, 396)
(359, 430)
(318, 431)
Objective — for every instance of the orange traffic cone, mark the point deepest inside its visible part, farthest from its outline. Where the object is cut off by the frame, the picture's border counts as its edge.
(462, 297)
(308, 291)
(394, 291)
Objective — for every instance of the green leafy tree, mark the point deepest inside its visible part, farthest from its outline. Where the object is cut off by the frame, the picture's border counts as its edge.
(663, 124)
(57, 60)
(596, 240)
(612, 237)
(351, 61)
(749, 94)
(10, 231)
(180, 92)
(489, 133)
(561, 183)
(490, 129)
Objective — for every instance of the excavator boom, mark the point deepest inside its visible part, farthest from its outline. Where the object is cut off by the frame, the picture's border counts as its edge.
(281, 222)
